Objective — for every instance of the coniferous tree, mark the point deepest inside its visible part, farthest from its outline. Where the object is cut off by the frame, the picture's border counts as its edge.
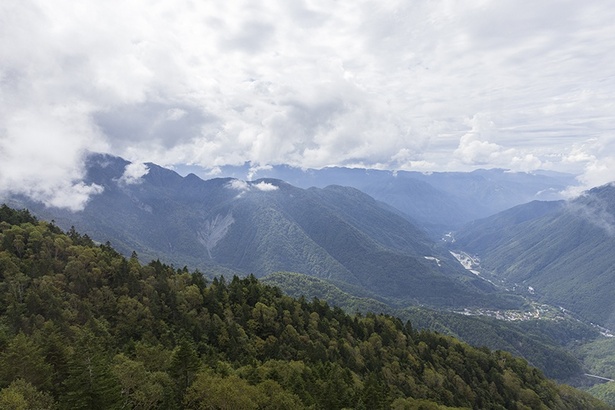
(90, 384)
(184, 365)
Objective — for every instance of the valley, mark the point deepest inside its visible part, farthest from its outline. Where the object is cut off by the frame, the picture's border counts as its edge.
(532, 308)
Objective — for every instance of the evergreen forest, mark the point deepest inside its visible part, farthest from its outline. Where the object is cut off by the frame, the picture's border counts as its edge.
(83, 327)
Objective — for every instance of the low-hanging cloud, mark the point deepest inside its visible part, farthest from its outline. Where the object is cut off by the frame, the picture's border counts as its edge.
(265, 186)
(597, 159)
(596, 211)
(41, 156)
(133, 174)
(238, 185)
(393, 84)
(243, 186)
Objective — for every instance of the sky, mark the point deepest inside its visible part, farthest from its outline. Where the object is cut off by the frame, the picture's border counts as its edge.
(411, 84)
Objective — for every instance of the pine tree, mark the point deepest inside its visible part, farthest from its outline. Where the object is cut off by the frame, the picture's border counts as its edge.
(90, 383)
(184, 364)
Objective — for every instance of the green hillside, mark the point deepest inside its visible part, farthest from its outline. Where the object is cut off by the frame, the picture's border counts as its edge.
(599, 358)
(544, 343)
(82, 327)
(563, 250)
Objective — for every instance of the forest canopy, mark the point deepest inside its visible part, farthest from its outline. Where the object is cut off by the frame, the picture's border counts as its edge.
(83, 327)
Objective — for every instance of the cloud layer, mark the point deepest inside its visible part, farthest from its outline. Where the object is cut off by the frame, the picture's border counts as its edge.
(391, 84)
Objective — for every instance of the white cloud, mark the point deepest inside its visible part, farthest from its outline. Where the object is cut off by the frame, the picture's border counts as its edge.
(476, 149)
(73, 197)
(599, 172)
(133, 173)
(387, 84)
(41, 156)
(266, 186)
(243, 186)
(254, 170)
(596, 156)
(238, 185)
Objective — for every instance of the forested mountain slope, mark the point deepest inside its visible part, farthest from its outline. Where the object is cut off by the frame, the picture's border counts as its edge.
(544, 343)
(82, 327)
(564, 250)
(268, 225)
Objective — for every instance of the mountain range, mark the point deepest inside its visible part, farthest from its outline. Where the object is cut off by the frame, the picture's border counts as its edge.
(436, 201)
(263, 226)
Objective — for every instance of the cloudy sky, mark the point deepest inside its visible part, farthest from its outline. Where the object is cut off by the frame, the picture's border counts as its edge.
(410, 84)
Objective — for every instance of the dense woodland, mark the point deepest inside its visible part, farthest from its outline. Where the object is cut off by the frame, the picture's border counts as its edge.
(82, 327)
(546, 344)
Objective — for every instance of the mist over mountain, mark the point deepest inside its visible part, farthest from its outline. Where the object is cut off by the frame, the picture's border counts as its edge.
(563, 250)
(437, 201)
(268, 225)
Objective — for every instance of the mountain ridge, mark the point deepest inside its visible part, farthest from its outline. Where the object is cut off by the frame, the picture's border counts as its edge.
(268, 225)
(437, 201)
